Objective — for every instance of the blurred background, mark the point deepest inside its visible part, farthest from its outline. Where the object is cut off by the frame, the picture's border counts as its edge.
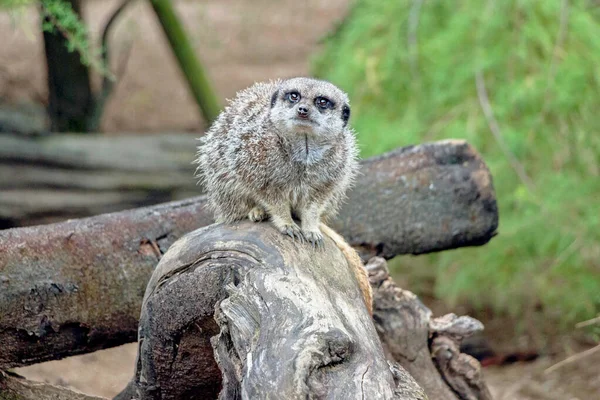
(518, 79)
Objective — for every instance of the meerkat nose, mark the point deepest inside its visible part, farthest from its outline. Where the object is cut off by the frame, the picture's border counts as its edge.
(303, 111)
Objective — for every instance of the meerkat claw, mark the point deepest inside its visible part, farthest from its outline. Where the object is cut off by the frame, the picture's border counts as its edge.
(294, 232)
(315, 238)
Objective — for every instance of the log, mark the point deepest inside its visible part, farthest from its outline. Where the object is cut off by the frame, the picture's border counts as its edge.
(55, 177)
(77, 286)
(420, 199)
(242, 312)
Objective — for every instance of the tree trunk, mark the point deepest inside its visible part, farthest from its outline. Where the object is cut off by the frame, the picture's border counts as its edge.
(77, 286)
(70, 98)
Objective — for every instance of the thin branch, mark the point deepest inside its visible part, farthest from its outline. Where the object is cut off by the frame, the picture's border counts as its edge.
(588, 322)
(104, 42)
(495, 129)
(566, 252)
(573, 358)
(108, 82)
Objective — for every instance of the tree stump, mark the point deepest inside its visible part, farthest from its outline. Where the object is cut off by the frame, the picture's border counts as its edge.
(428, 348)
(242, 312)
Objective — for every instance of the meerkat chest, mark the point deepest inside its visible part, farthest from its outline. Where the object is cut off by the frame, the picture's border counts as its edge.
(308, 153)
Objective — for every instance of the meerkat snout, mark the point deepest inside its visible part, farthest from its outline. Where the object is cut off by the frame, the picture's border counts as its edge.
(303, 111)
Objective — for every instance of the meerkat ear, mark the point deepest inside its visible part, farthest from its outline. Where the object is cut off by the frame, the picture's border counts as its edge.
(274, 98)
(345, 114)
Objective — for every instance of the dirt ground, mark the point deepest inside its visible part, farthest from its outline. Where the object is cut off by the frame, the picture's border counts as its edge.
(240, 41)
(105, 373)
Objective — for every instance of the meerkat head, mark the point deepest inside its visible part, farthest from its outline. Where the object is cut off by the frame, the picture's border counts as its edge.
(309, 106)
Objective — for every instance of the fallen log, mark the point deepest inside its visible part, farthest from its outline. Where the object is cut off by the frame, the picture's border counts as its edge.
(420, 199)
(54, 177)
(76, 286)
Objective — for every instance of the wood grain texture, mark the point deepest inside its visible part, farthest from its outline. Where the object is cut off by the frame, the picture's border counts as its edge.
(427, 347)
(241, 312)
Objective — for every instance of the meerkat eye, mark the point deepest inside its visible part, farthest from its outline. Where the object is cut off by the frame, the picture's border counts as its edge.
(294, 97)
(323, 102)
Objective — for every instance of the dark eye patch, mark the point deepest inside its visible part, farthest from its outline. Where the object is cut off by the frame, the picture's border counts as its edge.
(323, 103)
(345, 114)
(274, 98)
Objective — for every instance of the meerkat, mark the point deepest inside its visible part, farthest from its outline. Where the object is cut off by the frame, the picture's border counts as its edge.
(280, 150)
(284, 149)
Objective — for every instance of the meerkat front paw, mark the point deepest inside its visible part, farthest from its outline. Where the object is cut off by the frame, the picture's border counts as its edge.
(257, 214)
(292, 230)
(314, 237)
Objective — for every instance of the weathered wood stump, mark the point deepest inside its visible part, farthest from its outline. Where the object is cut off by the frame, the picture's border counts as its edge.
(243, 312)
(248, 312)
(428, 348)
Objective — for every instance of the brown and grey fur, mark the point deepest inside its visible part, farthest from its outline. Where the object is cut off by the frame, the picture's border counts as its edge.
(268, 156)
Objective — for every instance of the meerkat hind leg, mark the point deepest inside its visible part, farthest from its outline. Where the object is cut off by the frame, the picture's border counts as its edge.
(281, 217)
(310, 221)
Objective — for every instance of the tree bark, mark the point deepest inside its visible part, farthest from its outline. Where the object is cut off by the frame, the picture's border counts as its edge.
(427, 348)
(242, 311)
(70, 98)
(77, 286)
(420, 199)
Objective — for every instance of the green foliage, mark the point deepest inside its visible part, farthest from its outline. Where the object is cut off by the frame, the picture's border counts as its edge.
(410, 68)
(12, 4)
(60, 17)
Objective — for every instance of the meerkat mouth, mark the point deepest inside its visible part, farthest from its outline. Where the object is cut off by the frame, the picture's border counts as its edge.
(305, 121)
